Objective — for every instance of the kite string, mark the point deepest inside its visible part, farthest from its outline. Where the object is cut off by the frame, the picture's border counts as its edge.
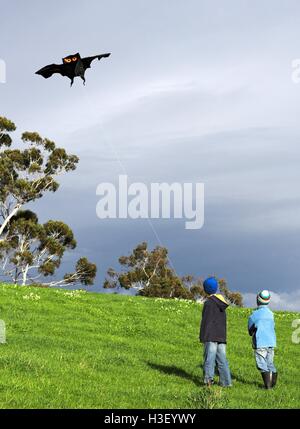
(123, 169)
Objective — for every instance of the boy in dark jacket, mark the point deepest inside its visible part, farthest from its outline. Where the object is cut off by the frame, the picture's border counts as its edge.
(213, 335)
(261, 327)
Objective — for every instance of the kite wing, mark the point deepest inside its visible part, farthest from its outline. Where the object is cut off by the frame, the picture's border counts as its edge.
(49, 70)
(87, 60)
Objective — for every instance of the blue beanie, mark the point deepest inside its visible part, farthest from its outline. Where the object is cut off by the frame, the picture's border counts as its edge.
(210, 285)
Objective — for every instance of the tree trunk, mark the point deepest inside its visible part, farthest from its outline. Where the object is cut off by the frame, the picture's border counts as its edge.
(6, 221)
(24, 275)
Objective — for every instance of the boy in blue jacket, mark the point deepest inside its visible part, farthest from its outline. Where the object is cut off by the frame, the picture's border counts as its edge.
(261, 327)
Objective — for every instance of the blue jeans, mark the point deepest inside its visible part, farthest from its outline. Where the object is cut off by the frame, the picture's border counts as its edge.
(215, 354)
(264, 359)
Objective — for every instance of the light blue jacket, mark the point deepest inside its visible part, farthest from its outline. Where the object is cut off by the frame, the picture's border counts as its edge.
(261, 326)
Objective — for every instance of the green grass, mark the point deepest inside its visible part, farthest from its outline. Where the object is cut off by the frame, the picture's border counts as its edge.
(85, 350)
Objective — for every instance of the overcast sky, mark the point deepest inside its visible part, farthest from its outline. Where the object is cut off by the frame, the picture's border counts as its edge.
(194, 91)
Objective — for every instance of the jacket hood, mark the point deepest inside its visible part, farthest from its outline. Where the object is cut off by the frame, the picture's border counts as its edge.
(220, 301)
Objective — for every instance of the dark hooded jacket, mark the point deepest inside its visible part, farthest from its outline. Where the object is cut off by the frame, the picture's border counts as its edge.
(213, 323)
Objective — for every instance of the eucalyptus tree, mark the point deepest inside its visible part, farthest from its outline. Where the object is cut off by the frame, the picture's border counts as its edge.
(30, 251)
(149, 272)
(28, 172)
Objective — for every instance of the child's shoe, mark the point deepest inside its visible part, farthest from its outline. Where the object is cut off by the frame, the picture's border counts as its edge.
(267, 379)
(273, 379)
(209, 383)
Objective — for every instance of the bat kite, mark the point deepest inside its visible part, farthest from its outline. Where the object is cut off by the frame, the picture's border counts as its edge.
(72, 66)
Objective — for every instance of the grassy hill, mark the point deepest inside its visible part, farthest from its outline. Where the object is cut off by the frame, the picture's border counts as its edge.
(82, 350)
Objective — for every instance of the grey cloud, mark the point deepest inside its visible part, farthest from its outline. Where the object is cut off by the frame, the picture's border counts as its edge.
(194, 91)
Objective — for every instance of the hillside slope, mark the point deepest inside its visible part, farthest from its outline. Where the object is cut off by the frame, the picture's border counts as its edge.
(82, 350)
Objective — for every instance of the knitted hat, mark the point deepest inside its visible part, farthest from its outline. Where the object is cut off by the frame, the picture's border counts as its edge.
(210, 285)
(263, 298)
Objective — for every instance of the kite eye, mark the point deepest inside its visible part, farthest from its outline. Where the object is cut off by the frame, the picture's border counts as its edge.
(74, 59)
(68, 60)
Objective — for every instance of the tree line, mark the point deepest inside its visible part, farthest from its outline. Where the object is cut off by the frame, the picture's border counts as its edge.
(150, 274)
